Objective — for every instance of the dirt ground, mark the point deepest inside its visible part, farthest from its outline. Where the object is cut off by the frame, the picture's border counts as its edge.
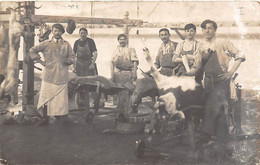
(84, 143)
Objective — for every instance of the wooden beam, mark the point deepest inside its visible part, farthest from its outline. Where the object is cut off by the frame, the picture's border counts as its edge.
(6, 12)
(83, 20)
(178, 25)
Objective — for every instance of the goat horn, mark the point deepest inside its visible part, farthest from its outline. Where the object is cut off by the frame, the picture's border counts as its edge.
(27, 6)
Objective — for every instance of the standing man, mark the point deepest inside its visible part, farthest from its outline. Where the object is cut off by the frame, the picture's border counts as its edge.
(124, 70)
(186, 51)
(214, 56)
(86, 54)
(58, 55)
(164, 58)
(85, 65)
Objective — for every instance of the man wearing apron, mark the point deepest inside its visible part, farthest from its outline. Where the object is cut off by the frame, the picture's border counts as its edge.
(86, 55)
(164, 57)
(216, 54)
(58, 55)
(189, 49)
(124, 70)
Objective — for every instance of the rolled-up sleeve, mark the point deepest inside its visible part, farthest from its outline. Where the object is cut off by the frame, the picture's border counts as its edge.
(197, 60)
(178, 51)
(71, 55)
(33, 52)
(234, 52)
(114, 55)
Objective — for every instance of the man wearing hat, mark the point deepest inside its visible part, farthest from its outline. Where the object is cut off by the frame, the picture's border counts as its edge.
(58, 55)
(86, 56)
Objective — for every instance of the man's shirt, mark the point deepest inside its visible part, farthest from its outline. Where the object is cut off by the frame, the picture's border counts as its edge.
(58, 54)
(224, 50)
(123, 57)
(165, 54)
(91, 44)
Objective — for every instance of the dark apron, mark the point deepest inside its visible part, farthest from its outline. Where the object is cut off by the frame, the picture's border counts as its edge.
(83, 61)
(167, 65)
(212, 70)
(214, 119)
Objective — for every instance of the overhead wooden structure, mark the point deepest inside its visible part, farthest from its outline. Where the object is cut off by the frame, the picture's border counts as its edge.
(26, 16)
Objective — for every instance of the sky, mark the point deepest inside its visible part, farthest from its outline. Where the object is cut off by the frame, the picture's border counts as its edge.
(156, 11)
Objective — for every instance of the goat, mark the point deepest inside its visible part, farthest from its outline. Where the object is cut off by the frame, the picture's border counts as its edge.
(165, 83)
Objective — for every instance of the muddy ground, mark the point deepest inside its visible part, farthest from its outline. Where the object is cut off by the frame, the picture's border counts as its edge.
(84, 143)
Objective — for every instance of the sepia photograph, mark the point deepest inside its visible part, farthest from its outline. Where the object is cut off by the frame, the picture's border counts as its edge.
(130, 82)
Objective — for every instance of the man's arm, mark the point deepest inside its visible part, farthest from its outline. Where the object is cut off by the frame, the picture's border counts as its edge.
(71, 56)
(196, 66)
(239, 57)
(177, 54)
(229, 74)
(94, 58)
(75, 46)
(93, 49)
(33, 53)
(95, 54)
(135, 61)
(135, 70)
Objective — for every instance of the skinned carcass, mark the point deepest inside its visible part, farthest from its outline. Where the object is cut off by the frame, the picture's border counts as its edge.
(3, 51)
(10, 83)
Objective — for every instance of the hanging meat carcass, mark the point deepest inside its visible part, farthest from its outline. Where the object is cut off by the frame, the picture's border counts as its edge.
(3, 51)
(10, 83)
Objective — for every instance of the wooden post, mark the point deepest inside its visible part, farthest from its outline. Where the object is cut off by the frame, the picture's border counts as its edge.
(126, 30)
(28, 68)
(237, 110)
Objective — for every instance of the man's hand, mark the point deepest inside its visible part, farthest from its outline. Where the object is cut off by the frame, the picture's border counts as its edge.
(92, 66)
(225, 76)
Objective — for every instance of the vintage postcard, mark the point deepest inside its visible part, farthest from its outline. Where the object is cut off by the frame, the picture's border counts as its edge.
(129, 82)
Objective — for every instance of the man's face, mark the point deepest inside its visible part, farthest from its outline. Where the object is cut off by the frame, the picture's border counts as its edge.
(56, 33)
(190, 33)
(122, 41)
(165, 36)
(209, 31)
(83, 34)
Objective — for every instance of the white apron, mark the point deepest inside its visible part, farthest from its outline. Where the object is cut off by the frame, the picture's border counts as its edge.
(55, 97)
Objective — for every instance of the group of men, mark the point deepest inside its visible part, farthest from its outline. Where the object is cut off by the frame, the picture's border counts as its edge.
(58, 56)
(208, 60)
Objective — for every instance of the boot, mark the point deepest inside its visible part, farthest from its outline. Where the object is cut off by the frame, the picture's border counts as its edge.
(44, 118)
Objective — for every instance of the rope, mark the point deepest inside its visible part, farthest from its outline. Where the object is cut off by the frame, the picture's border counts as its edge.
(92, 14)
